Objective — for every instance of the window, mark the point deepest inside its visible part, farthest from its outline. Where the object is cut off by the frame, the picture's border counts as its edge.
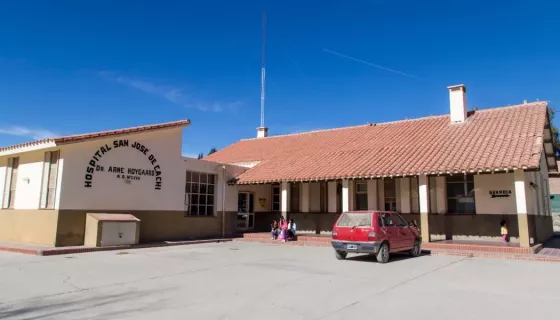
(460, 194)
(354, 220)
(387, 220)
(361, 195)
(294, 197)
(50, 173)
(414, 198)
(400, 221)
(390, 194)
(200, 191)
(275, 198)
(10, 183)
(323, 205)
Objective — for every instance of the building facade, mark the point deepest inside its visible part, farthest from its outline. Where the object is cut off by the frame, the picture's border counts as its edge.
(49, 186)
(458, 176)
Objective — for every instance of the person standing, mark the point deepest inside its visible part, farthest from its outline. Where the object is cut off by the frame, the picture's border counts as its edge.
(504, 231)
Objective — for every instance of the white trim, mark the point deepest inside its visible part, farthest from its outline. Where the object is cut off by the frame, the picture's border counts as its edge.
(28, 148)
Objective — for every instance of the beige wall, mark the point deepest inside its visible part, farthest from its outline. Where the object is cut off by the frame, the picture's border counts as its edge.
(261, 191)
(485, 204)
(154, 226)
(315, 197)
(29, 226)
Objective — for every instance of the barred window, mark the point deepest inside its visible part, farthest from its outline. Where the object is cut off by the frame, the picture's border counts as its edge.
(460, 194)
(276, 198)
(361, 195)
(50, 174)
(200, 191)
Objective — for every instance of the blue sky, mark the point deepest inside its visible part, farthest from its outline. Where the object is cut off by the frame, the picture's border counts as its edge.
(70, 67)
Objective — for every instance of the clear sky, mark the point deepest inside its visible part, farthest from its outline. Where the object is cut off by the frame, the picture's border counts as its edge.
(70, 67)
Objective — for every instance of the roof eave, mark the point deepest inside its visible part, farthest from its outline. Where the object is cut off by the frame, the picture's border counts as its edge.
(33, 146)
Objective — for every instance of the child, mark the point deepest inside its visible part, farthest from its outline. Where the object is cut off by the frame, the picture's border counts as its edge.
(291, 230)
(504, 231)
(274, 230)
(283, 229)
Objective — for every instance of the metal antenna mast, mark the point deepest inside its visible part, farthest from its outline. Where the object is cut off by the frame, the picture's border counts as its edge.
(263, 73)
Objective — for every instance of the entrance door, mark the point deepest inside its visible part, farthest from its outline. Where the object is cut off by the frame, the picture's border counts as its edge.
(245, 211)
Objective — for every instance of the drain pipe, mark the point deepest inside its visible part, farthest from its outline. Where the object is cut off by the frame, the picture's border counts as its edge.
(223, 201)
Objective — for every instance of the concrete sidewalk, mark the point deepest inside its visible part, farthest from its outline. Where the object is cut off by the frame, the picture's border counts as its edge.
(254, 281)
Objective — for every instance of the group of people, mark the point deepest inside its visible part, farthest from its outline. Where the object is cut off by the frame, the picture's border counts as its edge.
(283, 230)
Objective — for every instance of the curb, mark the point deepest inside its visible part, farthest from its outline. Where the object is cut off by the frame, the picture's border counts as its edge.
(431, 252)
(73, 250)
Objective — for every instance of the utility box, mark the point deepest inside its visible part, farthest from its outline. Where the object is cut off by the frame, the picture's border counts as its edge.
(106, 229)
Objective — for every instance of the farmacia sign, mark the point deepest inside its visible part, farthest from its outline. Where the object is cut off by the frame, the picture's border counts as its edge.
(124, 173)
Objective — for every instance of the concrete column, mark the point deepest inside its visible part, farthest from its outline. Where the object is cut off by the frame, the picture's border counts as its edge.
(304, 202)
(521, 204)
(346, 196)
(423, 194)
(284, 198)
(372, 194)
(381, 194)
(398, 193)
(405, 195)
(331, 196)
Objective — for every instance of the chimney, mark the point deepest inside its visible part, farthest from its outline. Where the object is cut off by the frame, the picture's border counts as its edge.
(262, 132)
(458, 103)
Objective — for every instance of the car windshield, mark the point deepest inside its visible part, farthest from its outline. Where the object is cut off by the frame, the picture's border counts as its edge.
(354, 220)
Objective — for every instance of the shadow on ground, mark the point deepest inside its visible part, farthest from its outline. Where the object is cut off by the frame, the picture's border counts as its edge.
(553, 242)
(395, 257)
(67, 307)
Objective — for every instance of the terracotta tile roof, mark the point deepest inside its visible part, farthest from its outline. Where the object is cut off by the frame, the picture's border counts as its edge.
(492, 139)
(96, 135)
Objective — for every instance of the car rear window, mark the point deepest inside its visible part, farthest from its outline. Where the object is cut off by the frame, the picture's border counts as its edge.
(354, 220)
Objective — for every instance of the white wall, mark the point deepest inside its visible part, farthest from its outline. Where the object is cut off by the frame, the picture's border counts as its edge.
(485, 204)
(29, 179)
(112, 193)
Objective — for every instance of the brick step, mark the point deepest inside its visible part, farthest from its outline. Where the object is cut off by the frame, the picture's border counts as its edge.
(290, 243)
(266, 236)
(479, 254)
(479, 248)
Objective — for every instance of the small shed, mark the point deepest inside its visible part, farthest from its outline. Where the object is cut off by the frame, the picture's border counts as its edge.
(108, 229)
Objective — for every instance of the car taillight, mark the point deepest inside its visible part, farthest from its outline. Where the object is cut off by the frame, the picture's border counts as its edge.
(334, 234)
(371, 235)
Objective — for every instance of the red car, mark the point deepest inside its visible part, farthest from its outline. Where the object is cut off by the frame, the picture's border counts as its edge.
(374, 232)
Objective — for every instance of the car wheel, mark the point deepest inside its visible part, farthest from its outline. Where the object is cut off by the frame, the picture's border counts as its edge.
(416, 249)
(341, 255)
(383, 253)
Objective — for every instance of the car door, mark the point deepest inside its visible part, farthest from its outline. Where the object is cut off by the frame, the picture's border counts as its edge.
(405, 235)
(390, 231)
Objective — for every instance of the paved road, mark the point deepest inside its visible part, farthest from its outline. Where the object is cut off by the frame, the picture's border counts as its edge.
(254, 281)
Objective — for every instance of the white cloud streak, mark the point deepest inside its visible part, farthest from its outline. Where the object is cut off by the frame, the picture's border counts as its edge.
(173, 94)
(21, 131)
(371, 64)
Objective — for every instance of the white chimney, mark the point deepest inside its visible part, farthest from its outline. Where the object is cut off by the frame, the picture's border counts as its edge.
(458, 103)
(262, 132)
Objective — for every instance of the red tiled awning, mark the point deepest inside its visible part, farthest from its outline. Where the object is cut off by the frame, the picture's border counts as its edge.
(492, 139)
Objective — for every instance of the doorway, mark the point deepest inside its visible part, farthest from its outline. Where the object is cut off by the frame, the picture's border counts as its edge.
(245, 211)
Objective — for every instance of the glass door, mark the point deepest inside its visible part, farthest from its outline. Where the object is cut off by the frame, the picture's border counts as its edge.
(245, 211)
